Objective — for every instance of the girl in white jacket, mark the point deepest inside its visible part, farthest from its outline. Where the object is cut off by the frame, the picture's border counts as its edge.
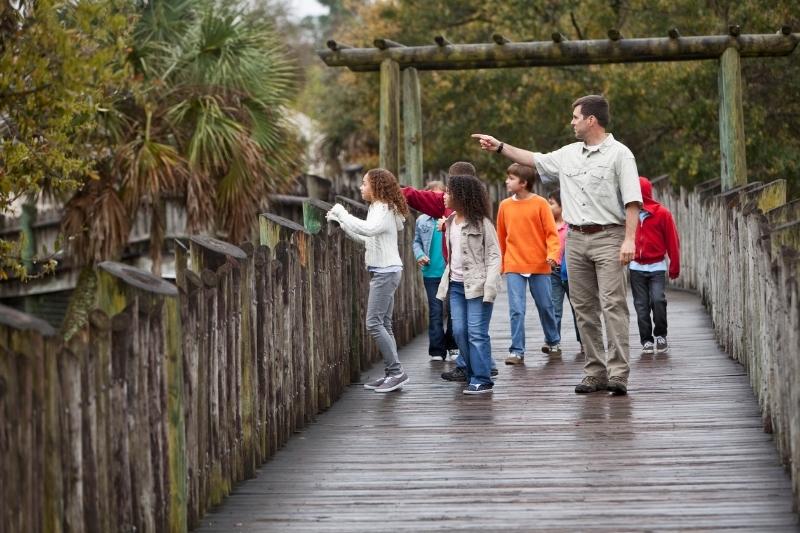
(386, 216)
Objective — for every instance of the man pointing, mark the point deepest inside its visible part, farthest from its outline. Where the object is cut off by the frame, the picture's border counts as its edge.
(601, 197)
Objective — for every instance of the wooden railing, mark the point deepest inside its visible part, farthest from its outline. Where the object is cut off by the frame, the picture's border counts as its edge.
(741, 252)
(163, 397)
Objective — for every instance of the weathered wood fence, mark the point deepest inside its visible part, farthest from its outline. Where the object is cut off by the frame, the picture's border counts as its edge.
(164, 396)
(741, 252)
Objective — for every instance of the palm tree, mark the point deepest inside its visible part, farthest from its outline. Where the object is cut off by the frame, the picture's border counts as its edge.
(204, 118)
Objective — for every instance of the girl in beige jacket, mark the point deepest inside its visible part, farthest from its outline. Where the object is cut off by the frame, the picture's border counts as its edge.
(472, 276)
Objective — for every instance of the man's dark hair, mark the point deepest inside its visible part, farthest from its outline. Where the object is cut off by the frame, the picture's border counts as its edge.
(555, 194)
(462, 168)
(525, 173)
(594, 105)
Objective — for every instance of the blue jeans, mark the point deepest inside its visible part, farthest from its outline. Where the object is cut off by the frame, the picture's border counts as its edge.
(440, 339)
(559, 287)
(539, 285)
(471, 319)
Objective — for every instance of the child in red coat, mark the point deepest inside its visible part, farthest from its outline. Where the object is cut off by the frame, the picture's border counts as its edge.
(656, 239)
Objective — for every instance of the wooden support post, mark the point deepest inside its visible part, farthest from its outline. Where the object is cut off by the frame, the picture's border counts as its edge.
(412, 128)
(733, 163)
(390, 116)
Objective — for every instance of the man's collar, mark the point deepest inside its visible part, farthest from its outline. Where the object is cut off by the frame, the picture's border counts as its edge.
(602, 147)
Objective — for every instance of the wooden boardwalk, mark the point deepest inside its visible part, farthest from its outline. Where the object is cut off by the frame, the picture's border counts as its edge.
(683, 451)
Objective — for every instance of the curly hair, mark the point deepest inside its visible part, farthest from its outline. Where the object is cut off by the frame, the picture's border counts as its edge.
(469, 196)
(385, 188)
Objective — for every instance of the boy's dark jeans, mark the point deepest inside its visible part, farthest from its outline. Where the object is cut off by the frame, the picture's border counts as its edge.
(648, 296)
(439, 339)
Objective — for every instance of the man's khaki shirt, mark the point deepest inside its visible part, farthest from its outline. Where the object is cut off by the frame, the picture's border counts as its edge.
(596, 182)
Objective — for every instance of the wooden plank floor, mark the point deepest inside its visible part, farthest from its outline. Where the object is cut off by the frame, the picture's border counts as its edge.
(683, 451)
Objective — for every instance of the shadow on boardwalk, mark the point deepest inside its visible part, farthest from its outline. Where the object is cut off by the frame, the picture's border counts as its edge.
(684, 451)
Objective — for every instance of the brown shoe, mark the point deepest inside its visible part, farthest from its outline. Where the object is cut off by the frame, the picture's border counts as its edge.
(618, 385)
(591, 384)
(514, 359)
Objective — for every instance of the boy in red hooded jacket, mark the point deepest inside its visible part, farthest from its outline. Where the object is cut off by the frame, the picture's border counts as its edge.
(656, 238)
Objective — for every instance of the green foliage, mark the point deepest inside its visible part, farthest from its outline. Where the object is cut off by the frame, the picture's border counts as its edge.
(131, 101)
(203, 120)
(665, 112)
(58, 67)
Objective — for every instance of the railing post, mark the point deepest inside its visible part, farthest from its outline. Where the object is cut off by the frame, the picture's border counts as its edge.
(136, 296)
(30, 425)
(733, 162)
(390, 116)
(412, 128)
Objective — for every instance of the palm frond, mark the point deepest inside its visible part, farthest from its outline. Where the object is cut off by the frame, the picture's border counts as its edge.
(200, 200)
(240, 191)
(149, 169)
(95, 224)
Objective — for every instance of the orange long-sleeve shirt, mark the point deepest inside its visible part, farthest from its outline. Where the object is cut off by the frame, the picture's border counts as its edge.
(527, 233)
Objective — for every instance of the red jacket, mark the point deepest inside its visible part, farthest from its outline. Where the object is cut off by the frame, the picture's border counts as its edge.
(657, 235)
(430, 203)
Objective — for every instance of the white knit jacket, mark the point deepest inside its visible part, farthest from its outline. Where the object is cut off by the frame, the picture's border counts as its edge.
(378, 232)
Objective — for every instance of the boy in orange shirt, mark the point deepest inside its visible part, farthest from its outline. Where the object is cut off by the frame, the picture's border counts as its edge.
(529, 247)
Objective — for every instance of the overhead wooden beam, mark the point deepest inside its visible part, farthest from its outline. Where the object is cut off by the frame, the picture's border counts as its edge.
(384, 44)
(440, 40)
(448, 56)
(335, 47)
(499, 39)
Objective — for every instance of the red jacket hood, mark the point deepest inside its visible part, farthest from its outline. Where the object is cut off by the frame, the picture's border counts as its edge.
(648, 204)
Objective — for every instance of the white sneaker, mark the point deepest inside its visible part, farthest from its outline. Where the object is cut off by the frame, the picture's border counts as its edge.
(648, 347)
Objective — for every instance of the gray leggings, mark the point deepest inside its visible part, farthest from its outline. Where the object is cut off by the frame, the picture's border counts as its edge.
(379, 318)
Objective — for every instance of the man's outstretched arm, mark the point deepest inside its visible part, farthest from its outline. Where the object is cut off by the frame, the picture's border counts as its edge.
(517, 155)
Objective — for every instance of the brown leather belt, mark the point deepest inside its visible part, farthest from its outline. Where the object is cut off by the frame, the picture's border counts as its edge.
(592, 228)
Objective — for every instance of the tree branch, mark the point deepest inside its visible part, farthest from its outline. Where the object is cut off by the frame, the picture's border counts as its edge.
(575, 25)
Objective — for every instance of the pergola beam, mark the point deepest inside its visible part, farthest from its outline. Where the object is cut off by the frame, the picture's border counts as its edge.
(447, 56)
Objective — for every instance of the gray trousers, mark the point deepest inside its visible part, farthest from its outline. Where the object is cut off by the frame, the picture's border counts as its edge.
(380, 305)
(597, 288)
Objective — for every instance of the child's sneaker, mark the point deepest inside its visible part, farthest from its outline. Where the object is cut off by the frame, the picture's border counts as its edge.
(648, 348)
(391, 383)
(515, 359)
(375, 383)
(457, 374)
(553, 350)
(483, 388)
(661, 345)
